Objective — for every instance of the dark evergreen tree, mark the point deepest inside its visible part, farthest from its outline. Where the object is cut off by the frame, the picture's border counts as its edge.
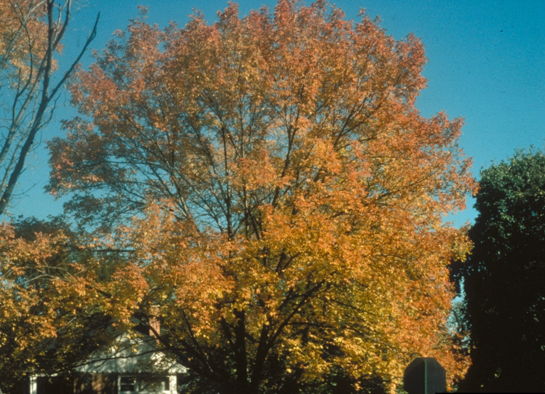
(504, 278)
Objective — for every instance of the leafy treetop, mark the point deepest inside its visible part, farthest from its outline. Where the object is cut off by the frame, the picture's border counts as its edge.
(503, 279)
(296, 228)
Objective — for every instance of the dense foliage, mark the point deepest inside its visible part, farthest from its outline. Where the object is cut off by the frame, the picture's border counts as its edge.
(503, 278)
(271, 195)
(49, 318)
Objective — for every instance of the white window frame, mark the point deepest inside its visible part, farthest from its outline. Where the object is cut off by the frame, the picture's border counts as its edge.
(33, 381)
(33, 384)
(121, 377)
(137, 383)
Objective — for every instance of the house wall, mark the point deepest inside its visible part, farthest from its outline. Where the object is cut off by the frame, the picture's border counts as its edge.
(95, 384)
(82, 383)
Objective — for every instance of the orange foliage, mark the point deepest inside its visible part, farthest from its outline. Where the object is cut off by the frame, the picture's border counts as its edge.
(48, 300)
(304, 193)
(23, 37)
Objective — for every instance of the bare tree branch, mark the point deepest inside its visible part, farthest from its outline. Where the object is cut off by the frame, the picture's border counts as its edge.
(30, 80)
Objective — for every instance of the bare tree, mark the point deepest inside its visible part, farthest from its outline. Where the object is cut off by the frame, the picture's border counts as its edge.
(29, 87)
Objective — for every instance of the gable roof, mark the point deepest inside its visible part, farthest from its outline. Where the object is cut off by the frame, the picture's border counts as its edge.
(131, 353)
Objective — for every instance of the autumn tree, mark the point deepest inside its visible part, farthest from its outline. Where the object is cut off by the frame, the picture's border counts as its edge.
(287, 198)
(50, 316)
(30, 36)
(503, 278)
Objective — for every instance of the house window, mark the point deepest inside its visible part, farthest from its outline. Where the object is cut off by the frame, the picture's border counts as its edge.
(165, 383)
(127, 384)
(131, 384)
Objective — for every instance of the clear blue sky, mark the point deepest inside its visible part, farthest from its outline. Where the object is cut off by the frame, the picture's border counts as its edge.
(486, 63)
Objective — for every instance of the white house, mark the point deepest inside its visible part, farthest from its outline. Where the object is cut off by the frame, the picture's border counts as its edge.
(131, 365)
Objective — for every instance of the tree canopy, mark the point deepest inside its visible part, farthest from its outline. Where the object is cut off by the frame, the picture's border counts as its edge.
(275, 195)
(503, 277)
